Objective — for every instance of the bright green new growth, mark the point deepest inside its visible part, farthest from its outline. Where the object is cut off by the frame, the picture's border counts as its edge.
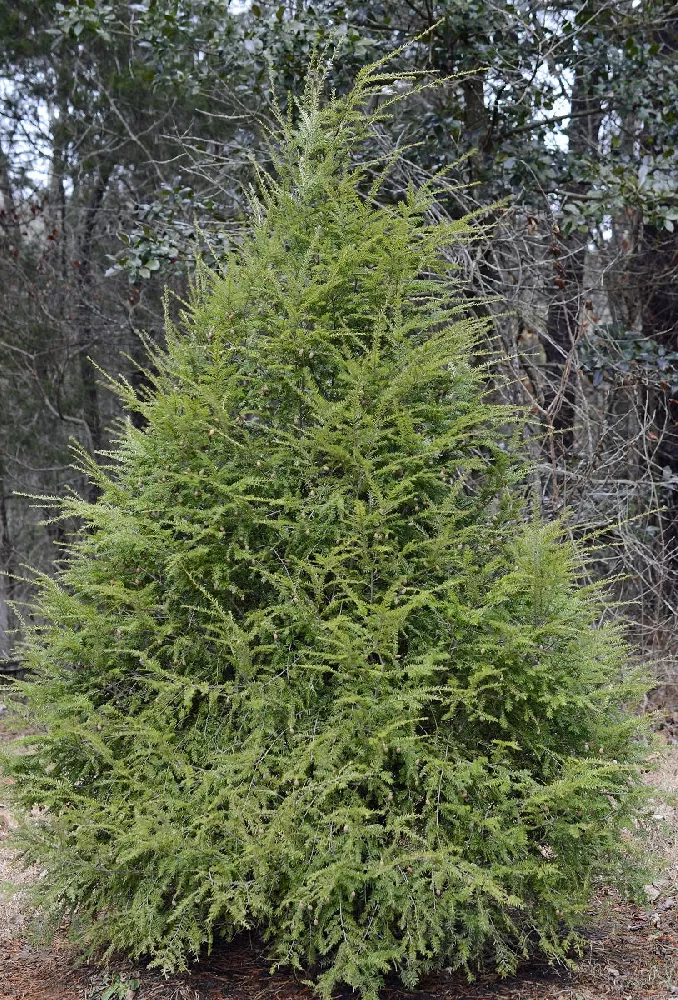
(310, 671)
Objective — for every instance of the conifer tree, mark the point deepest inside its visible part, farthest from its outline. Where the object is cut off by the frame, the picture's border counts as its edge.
(312, 669)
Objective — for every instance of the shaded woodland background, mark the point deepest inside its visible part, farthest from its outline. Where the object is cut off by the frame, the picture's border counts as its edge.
(126, 137)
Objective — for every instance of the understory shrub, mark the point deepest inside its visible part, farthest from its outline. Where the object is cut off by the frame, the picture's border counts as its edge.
(314, 668)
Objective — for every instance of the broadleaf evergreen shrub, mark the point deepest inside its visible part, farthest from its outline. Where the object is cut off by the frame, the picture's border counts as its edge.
(312, 669)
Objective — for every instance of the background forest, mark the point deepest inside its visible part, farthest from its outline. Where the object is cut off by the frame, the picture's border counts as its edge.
(126, 137)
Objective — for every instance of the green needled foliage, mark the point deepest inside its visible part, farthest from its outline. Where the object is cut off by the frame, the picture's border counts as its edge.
(311, 670)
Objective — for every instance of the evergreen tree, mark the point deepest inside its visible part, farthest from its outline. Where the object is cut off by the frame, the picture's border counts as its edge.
(311, 669)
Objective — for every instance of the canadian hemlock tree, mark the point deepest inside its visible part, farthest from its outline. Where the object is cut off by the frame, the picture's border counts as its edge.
(314, 668)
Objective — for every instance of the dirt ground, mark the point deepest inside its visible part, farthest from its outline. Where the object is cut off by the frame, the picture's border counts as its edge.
(632, 952)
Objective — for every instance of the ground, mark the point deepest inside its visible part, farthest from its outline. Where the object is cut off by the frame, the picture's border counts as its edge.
(632, 952)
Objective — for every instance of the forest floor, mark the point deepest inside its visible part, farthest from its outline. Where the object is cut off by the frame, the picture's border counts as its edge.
(632, 951)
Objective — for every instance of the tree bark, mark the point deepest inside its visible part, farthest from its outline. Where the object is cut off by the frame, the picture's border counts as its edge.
(91, 413)
(657, 291)
(6, 568)
(566, 282)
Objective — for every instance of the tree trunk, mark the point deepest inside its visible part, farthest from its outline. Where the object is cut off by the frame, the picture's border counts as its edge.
(566, 284)
(657, 290)
(86, 336)
(6, 567)
(659, 312)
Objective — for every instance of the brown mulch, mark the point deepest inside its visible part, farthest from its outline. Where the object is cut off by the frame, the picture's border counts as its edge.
(632, 958)
(632, 951)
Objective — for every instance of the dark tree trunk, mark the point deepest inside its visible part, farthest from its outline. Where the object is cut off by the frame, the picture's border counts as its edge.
(659, 311)
(566, 282)
(657, 290)
(6, 569)
(86, 337)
